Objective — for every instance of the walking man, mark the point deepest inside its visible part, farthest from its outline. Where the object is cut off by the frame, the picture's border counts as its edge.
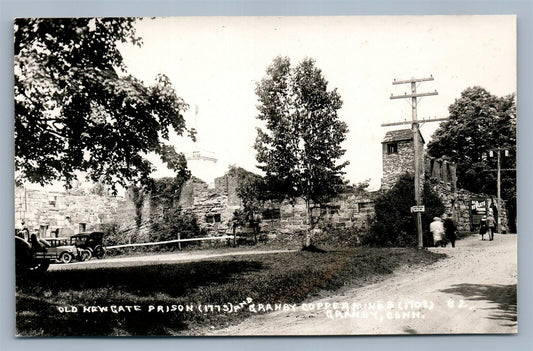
(450, 229)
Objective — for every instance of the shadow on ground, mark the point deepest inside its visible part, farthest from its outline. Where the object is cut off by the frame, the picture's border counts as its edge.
(503, 295)
(39, 297)
(271, 278)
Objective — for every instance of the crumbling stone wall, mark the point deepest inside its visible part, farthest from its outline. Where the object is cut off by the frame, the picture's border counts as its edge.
(212, 207)
(442, 170)
(227, 185)
(48, 211)
(345, 211)
(193, 191)
(459, 204)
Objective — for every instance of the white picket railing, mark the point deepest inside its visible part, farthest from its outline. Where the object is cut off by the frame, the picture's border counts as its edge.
(170, 241)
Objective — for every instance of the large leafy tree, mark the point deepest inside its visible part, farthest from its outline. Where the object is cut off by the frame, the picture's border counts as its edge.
(76, 109)
(300, 147)
(480, 122)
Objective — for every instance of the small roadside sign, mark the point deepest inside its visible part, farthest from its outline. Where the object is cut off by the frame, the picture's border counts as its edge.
(420, 208)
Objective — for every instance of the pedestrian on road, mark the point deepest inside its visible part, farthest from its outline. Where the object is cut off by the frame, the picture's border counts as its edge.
(483, 227)
(437, 229)
(450, 229)
(491, 225)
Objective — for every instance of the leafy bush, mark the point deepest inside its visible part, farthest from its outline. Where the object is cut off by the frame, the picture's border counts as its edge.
(174, 221)
(394, 224)
(112, 234)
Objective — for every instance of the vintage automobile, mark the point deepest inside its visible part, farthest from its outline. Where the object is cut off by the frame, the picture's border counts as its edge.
(60, 250)
(91, 242)
(25, 259)
(38, 253)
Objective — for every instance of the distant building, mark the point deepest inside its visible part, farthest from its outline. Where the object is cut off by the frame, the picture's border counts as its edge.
(203, 165)
(399, 156)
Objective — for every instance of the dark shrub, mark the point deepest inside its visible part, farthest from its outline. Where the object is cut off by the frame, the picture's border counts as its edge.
(394, 224)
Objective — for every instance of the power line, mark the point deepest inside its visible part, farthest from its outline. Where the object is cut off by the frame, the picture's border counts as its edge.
(414, 96)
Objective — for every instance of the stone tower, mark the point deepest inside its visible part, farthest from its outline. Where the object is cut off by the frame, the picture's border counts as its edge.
(202, 163)
(399, 156)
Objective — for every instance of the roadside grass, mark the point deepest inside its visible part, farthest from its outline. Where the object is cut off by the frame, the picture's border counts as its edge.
(289, 277)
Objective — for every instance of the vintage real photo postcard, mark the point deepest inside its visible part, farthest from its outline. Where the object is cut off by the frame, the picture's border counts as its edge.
(192, 176)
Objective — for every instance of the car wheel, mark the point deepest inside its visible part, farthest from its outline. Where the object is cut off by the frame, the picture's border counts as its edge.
(66, 257)
(86, 255)
(99, 252)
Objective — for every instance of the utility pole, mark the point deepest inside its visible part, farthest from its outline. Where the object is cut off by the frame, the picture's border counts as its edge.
(416, 139)
(499, 192)
(499, 180)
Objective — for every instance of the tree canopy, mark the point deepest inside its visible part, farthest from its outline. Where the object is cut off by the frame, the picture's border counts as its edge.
(300, 147)
(479, 122)
(76, 109)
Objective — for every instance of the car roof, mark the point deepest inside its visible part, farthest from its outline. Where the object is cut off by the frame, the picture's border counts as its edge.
(86, 233)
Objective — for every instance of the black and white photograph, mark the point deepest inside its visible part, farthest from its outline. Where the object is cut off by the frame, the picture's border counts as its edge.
(265, 176)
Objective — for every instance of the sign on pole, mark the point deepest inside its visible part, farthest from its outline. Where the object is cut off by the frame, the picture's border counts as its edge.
(419, 208)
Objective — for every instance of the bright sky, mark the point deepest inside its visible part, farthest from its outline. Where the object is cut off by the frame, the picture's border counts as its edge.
(215, 63)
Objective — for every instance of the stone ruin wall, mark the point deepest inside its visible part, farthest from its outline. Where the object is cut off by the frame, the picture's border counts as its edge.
(206, 203)
(345, 211)
(442, 175)
(459, 202)
(48, 211)
(227, 185)
(443, 171)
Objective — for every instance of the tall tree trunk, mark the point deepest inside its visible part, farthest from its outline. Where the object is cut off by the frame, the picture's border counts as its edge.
(307, 242)
(234, 235)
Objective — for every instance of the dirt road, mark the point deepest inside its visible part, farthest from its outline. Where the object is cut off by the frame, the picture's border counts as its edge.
(472, 291)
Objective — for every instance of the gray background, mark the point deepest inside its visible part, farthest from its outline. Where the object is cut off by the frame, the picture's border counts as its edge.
(10, 9)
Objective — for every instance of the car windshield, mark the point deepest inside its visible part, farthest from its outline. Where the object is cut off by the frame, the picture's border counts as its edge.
(79, 240)
(55, 242)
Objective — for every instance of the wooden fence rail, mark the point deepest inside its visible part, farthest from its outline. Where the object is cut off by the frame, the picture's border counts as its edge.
(171, 241)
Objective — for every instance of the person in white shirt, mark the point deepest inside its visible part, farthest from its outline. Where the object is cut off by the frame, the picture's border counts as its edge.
(437, 229)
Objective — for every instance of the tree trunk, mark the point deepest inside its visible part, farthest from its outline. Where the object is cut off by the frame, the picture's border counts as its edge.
(307, 242)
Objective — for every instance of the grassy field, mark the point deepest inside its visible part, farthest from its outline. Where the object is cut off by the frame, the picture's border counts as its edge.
(53, 304)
